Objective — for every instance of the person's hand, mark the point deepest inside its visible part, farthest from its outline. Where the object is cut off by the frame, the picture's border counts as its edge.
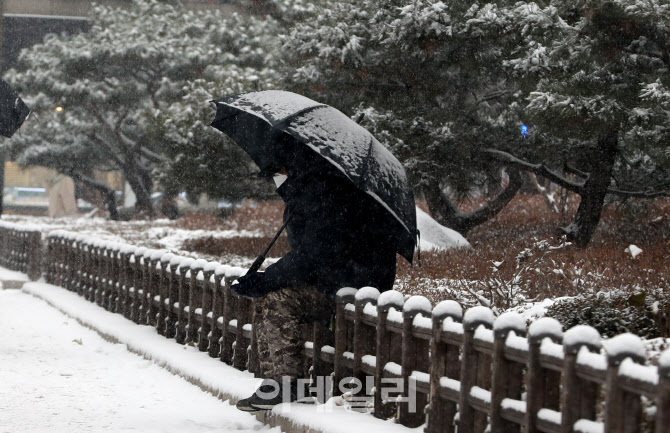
(251, 286)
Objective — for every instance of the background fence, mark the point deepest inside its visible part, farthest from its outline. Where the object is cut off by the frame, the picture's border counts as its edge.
(21, 249)
(470, 371)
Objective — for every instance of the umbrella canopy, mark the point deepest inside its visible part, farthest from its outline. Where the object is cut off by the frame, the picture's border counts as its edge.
(268, 124)
(13, 111)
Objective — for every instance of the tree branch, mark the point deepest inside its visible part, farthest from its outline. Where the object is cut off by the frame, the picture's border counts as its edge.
(576, 187)
(447, 213)
(108, 193)
(539, 169)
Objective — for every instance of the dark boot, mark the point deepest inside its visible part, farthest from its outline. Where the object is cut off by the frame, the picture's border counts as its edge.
(267, 396)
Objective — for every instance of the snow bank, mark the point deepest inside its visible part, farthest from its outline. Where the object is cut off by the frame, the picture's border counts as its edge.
(436, 236)
(63, 377)
(9, 275)
(208, 373)
(183, 360)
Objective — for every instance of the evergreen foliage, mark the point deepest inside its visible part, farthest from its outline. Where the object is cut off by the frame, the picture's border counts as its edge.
(119, 83)
(436, 82)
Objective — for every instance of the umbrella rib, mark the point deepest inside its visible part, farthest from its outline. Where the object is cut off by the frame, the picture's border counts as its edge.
(296, 114)
(368, 158)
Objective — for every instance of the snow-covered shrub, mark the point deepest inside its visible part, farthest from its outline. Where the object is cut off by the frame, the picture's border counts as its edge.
(614, 313)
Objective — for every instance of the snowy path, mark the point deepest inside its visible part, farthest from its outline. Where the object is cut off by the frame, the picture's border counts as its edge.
(58, 376)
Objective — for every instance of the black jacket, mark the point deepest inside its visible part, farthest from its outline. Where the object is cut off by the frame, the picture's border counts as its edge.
(337, 238)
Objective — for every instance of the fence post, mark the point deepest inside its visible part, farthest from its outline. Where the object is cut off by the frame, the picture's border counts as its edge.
(539, 380)
(49, 257)
(578, 397)
(58, 254)
(623, 409)
(34, 267)
(87, 254)
(254, 360)
(114, 285)
(80, 259)
(194, 299)
(321, 336)
(68, 260)
(103, 271)
(229, 308)
(243, 316)
(173, 304)
(470, 363)
(163, 284)
(182, 319)
(112, 275)
(142, 292)
(207, 305)
(98, 272)
(663, 394)
(124, 256)
(155, 296)
(343, 297)
(506, 375)
(444, 363)
(137, 284)
(387, 300)
(109, 275)
(364, 336)
(214, 348)
(74, 264)
(414, 357)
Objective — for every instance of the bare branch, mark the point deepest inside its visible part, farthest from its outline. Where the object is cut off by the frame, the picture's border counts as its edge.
(539, 169)
(577, 187)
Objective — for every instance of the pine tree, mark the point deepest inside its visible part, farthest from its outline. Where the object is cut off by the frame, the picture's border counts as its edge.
(434, 81)
(119, 84)
(601, 99)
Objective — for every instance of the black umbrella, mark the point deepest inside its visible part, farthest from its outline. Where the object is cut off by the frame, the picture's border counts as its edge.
(268, 124)
(13, 111)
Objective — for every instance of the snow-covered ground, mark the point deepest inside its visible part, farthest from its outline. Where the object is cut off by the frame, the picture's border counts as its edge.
(58, 376)
(9, 275)
(436, 236)
(158, 233)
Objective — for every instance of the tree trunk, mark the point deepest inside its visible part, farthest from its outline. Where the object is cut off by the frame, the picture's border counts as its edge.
(167, 205)
(140, 182)
(594, 191)
(108, 194)
(446, 212)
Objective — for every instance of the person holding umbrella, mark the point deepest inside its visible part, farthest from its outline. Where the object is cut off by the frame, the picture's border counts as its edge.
(349, 210)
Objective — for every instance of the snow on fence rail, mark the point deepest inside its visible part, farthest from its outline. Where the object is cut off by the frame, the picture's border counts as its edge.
(21, 248)
(470, 371)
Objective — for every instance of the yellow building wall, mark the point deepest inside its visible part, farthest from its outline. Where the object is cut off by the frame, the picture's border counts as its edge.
(38, 177)
(34, 177)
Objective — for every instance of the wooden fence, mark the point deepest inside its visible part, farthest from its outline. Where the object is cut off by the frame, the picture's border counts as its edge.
(21, 248)
(470, 371)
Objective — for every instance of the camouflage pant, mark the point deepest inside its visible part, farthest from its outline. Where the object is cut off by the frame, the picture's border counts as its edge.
(279, 320)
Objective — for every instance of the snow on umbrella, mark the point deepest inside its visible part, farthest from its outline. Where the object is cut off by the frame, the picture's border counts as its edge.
(266, 124)
(13, 111)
